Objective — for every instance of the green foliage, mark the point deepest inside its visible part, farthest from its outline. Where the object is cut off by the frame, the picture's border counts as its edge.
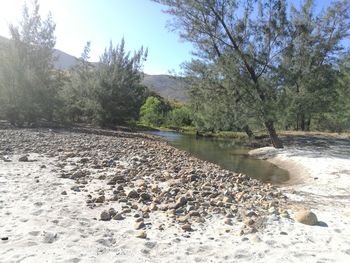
(152, 113)
(119, 92)
(28, 81)
(179, 117)
(78, 92)
(158, 112)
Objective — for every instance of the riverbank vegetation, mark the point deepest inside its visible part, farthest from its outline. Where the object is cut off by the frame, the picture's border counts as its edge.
(258, 65)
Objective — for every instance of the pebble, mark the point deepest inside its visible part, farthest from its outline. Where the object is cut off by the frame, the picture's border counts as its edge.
(105, 216)
(139, 225)
(141, 234)
(186, 227)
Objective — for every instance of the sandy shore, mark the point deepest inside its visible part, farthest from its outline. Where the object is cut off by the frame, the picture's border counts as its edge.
(50, 213)
(320, 181)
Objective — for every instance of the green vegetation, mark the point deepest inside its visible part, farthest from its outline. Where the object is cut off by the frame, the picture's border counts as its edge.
(157, 112)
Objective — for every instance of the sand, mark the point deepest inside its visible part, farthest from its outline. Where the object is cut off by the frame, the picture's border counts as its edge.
(42, 225)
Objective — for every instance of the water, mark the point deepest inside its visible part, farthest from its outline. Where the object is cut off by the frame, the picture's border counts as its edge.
(227, 153)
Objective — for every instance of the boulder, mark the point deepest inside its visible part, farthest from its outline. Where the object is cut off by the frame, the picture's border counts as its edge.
(306, 217)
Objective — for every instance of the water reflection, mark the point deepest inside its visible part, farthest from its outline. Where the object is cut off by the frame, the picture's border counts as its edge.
(228, 154)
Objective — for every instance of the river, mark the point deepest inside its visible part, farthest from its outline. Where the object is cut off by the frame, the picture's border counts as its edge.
(227, 153)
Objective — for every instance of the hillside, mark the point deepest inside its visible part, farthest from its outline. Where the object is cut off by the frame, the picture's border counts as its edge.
(165, 85)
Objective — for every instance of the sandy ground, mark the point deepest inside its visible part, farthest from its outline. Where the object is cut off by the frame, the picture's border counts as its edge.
(42, 225)
(320, 181)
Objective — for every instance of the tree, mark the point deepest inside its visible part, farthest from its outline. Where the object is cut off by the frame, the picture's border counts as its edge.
(314, 47)
(213, 101)
(119, 92)
(152, 112)
(28, 80)
(226, 30)
(78, 93)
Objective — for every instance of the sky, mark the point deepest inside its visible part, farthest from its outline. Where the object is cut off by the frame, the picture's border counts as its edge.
(140, 22)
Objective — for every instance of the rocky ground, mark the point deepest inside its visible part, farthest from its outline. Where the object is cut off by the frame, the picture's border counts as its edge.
(102, 196)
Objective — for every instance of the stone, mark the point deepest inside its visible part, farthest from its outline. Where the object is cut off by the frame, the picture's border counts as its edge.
(112, 212)
(100, 199)
(141, 234)
(306, 217)
(64, 193)
(194, 213)
(181, 201)
(77, 174)
(248, 221)
(49, 237)
(145, 196)
(153, 207)
(187, 227)
(227, 199)
(133, 194)
(105, 216)
(139, 225)
(228, 221)
(118, 216)
(23, 158)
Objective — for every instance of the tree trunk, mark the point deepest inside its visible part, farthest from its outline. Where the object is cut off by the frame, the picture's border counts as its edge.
(302, 122)
(276, 142)
(248, 131)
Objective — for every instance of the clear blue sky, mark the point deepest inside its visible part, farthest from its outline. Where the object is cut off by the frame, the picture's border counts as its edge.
(140, 22)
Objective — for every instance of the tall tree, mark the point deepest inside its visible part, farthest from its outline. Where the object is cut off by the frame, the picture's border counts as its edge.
(229, 30)
(314, 47)
(28, 80)
(119, 91)
(78, 93)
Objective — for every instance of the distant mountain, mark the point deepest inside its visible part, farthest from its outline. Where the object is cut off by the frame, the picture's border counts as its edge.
(165, 85)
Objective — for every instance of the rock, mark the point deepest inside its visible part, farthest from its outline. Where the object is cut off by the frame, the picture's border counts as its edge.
(112, 212)
(49, 237)
(248, 221)
(75, 188)
(153, 207)
(100, 199)
(4, 238)
(228, 221)
(285, 214)
(139, 225)
(194, 213)
(64, 193)
(145, 196)
(227, 199)
(105, 216)
(77, 174)
(306, 217)
(141, 234)
(139, 219)
(23, 158)
(187, 227)
(118, 216)
(181, 201)
(133, 194)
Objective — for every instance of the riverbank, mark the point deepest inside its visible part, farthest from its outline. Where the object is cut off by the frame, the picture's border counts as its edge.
(102, 196)
(319, 168)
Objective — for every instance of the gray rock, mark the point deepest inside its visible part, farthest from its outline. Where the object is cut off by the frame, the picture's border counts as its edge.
(105, 216)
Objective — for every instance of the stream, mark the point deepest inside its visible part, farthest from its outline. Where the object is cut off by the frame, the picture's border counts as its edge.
(227, 153)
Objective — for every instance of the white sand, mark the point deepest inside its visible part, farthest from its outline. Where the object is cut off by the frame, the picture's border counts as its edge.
(44, 226)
